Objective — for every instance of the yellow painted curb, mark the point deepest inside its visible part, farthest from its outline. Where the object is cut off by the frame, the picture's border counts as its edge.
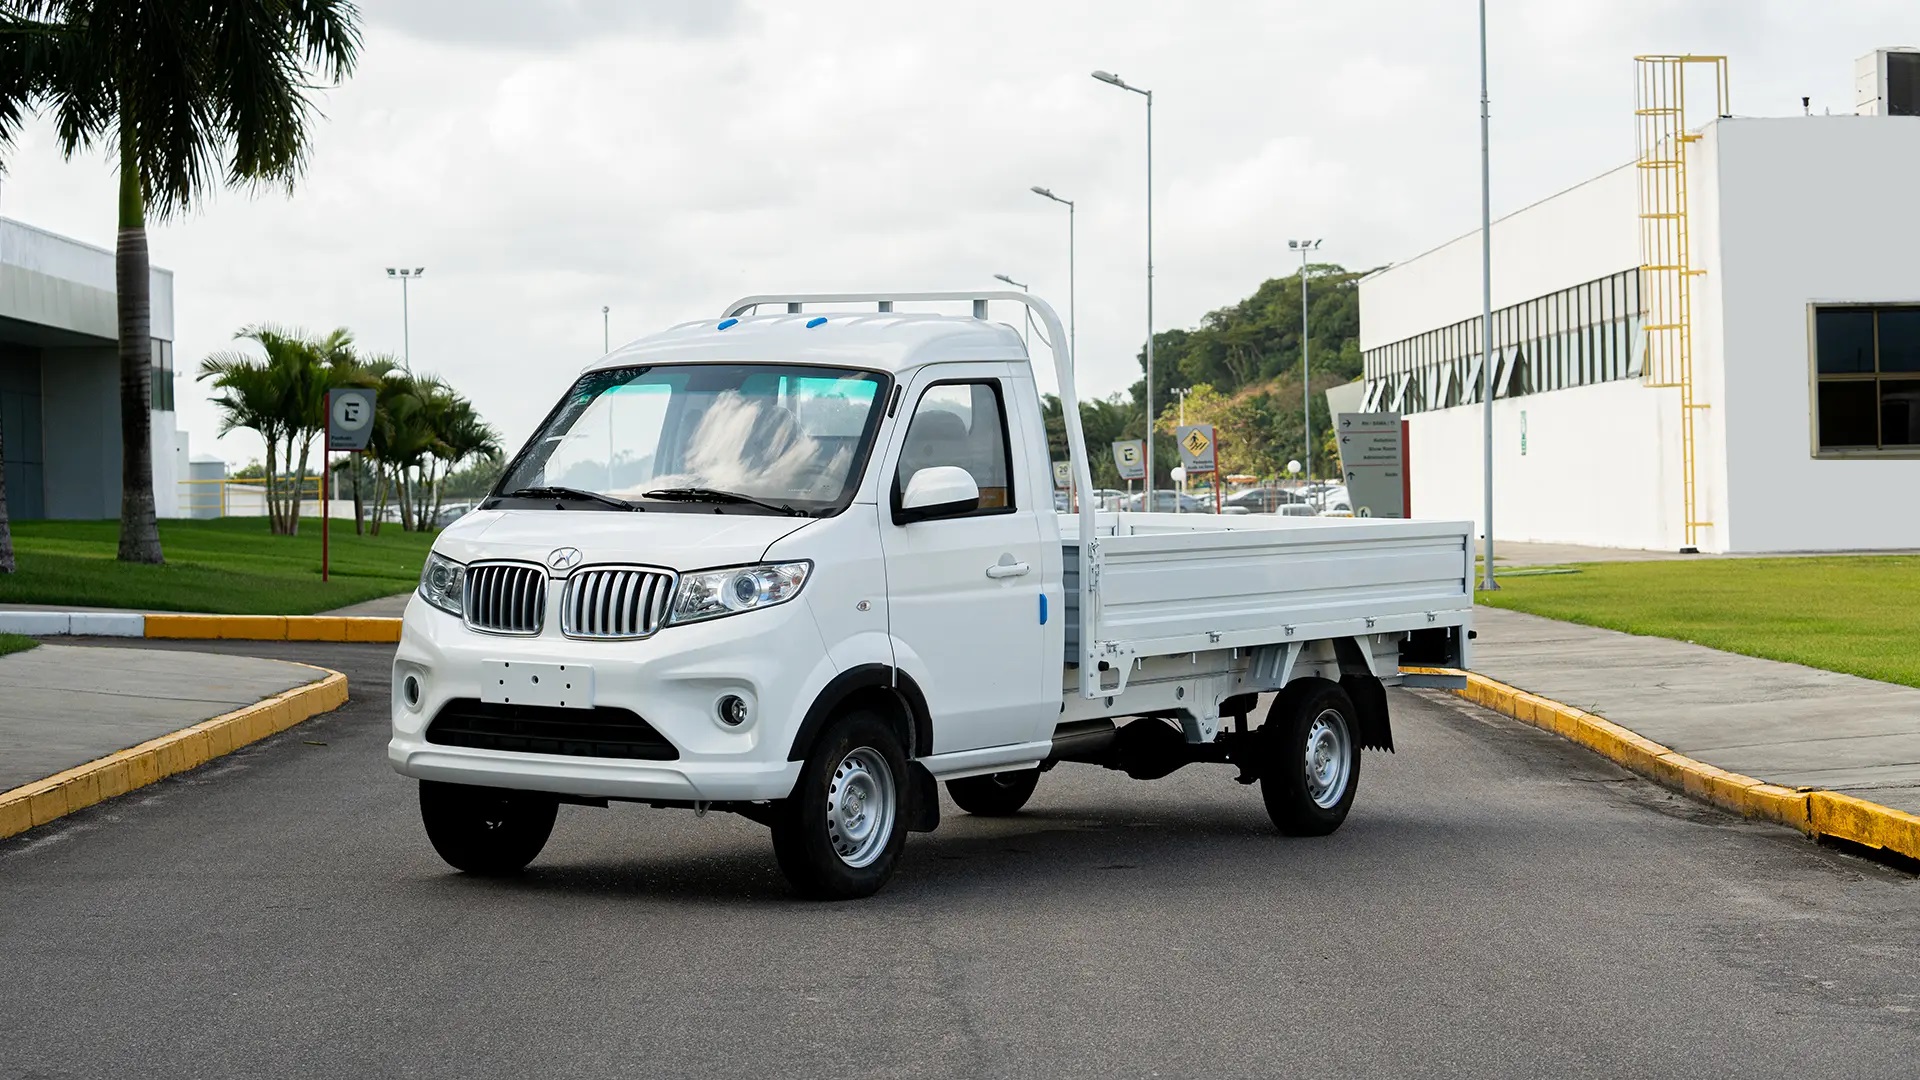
(118, 773)
(274, 628)
(1816, 813)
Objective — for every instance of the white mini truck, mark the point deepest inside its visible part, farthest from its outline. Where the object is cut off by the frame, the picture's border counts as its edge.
(802, 566)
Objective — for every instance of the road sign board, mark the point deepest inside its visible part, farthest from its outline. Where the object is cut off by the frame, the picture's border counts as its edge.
(1062, 475)
(1130, 457)
(1196, 446)
(1372, 463)
(349, 418)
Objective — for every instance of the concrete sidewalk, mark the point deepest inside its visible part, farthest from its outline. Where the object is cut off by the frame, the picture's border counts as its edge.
(64, 705)
(1782, 723)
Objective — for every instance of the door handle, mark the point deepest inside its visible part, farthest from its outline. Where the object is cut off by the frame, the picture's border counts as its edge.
(1007, 570)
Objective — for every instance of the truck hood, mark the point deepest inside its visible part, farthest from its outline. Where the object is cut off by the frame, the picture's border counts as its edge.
(677, 541)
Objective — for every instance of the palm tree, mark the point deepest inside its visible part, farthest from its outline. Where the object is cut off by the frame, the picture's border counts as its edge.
(282, 397)
(462, 435)
(252, 397)
(175, 88)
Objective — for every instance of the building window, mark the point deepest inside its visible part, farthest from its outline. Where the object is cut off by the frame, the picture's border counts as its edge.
(1867, 379)
(161, 392)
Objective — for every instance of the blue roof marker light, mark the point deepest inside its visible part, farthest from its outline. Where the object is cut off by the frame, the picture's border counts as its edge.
(724, 323)
(816, 321)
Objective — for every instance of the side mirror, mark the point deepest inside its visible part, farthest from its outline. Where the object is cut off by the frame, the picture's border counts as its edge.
(938, 491)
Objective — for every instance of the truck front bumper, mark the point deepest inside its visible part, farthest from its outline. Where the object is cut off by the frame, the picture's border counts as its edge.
(772, 659)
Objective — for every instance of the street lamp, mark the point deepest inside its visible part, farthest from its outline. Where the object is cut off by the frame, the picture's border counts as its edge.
(1073, 324)
(1486, 307)
(1114, 80)
(1306, 376)
(1028, 321)
(606, 335)
(406, 274)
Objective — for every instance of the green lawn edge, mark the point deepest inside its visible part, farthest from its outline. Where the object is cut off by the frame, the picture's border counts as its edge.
(227, 566)
(14, 643)
(1857, 615)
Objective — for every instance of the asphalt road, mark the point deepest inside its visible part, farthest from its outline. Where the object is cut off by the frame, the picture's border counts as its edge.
(1499, 904)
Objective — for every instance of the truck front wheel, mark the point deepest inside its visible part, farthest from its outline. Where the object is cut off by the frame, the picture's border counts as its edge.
(838, 836)
(1312, 764)
(995, 795)
(486, 831)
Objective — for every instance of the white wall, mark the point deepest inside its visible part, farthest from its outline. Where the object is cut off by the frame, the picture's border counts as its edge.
(1577, 236)
(1600, 466)
(1805, 210)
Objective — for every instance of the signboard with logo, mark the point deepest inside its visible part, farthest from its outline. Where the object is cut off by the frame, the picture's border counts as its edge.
(1130, 457)
(1373, 463)
(1196, 447)
(349, 418)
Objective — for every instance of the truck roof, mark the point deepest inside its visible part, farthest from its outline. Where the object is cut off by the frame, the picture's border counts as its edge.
(875, 341)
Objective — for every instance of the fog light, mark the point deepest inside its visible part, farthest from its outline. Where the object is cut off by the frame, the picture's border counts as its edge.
(732, 711)
(410, 691)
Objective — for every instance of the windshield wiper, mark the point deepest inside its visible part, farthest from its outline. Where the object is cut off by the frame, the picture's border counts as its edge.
(701, 494)
(550, 491)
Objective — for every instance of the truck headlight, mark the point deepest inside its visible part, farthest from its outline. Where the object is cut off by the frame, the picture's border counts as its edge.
(709, 594)
(443, 584)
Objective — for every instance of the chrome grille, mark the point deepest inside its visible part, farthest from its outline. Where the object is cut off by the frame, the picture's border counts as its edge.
(506, 598)
(615, 602)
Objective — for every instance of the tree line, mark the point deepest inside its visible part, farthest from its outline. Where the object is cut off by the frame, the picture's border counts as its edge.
(422, 429)
(1240, 369)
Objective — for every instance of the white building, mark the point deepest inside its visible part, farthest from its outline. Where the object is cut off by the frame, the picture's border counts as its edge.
(60, 379)
(1801, 313)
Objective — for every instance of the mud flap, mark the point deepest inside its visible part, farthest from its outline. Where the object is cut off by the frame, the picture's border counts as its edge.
(923, 799)
(1369, 698)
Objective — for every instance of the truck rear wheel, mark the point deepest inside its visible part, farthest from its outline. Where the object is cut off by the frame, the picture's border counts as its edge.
(1312, 754)
(995, 795)
(486, 831)
(838, 836)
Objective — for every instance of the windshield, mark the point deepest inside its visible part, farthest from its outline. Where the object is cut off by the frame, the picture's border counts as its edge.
(792, 436)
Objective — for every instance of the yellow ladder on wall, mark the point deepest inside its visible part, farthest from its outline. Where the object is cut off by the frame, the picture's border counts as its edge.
(1667, 270)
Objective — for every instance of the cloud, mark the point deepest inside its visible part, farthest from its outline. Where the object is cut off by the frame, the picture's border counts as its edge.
(553, 24)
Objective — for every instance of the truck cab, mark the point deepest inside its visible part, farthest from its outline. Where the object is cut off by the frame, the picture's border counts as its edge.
(802, 566)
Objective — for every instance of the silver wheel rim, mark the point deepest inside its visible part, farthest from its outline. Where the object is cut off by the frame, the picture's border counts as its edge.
(860, 807)
(1329, 759)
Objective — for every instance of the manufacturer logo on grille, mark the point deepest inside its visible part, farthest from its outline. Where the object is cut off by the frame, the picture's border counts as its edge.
(564, 558)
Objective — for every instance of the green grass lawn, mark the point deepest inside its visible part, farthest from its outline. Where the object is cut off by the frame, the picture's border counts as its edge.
(1854, 614)
(229, 566)
(13, 643)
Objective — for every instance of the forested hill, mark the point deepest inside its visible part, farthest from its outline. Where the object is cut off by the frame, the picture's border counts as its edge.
(1242, 368)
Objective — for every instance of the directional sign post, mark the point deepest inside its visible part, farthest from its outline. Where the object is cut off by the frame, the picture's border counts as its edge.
(349, 428)
(1130, 457)
(1373, 461)
(1196, 443)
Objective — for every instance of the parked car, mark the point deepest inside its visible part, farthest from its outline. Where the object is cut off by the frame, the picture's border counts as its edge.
(1261, 500)
(838, 583)
(1169, 502)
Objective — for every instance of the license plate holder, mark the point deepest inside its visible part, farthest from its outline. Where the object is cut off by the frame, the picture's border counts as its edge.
(522, 682)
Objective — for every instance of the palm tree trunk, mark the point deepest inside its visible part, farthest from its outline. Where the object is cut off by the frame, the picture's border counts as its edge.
(359, 508)
(139, 525)
(267, 489)
(299, 485)
(6, 530)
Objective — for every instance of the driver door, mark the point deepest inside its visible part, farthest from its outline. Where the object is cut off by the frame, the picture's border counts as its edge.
(964, 591)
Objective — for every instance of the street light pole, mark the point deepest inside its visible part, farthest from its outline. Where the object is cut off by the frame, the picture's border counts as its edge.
(1306, 373)
(1486, 308)
(1114, 80)
(606, 334)
(406, 274)
(1028, 322)
(1073, 322)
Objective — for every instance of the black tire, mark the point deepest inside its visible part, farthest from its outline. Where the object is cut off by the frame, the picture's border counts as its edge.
(828, 847)
(486, 831)
(995, 795)
(1310, 795)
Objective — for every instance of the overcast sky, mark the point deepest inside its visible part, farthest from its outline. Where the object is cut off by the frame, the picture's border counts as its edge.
(661, 157)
